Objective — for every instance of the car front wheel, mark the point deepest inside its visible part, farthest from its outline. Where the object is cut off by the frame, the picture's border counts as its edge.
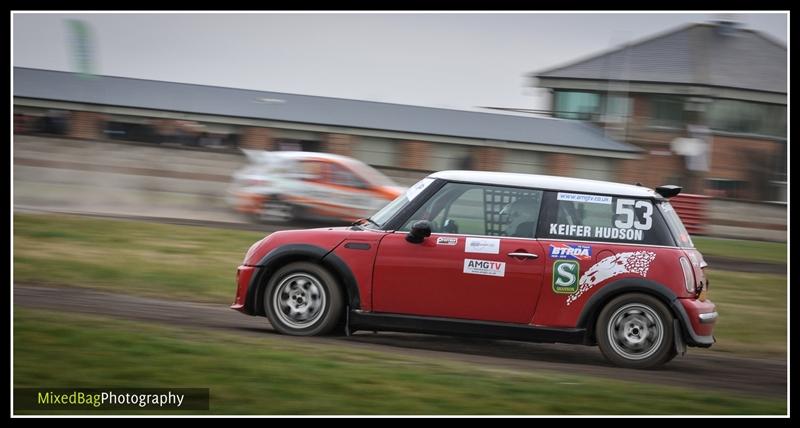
(636, 331)
(303, 299)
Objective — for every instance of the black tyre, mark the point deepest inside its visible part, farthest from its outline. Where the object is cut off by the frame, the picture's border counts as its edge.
(303, 299)
(636, 331)
(276, 210)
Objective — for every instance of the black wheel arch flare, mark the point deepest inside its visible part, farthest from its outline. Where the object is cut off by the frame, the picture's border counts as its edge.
(595, 304)
(289, 253)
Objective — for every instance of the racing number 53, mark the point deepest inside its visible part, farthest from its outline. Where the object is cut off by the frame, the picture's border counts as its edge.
(626, 207)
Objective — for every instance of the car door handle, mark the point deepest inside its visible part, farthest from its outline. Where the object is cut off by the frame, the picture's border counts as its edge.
(525, 255)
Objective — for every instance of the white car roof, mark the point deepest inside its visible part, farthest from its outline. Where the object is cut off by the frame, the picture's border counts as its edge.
(548, 182)
(267, 156)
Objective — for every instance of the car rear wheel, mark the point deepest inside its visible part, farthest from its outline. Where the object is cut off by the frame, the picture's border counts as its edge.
(276, 210)
(303, 299)
(636, 331)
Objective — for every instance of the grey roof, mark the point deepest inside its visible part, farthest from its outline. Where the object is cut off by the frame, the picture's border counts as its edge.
(698, 54)
(181, 97)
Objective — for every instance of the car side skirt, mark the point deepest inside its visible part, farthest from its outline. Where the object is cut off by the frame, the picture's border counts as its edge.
(360, 320)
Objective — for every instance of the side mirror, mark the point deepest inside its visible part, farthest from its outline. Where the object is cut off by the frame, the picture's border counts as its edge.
(419, 231)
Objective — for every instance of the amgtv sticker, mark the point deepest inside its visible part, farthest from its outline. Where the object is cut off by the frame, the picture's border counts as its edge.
(484, 267)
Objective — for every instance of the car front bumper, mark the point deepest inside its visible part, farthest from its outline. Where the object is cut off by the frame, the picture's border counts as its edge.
(244, 274)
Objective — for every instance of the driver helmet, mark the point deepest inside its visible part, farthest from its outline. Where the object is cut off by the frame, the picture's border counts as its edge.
(523, 210)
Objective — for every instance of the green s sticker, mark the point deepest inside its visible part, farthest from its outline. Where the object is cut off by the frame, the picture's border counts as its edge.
(565, 276)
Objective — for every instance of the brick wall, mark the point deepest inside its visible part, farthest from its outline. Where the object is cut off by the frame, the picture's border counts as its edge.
(733, 157)
(628, 171)
(745, 159)
(257, 138)
(340, 144)
(641, 108)
(655, 168)
(414, 155)
(658, 164)
(487, 158)
(85, 125)
(560, 164)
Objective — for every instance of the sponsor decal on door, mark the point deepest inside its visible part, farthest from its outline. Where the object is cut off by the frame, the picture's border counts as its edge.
(484, 267)
(571, 251)
(446, 240)
(482, 245)
(565, 276)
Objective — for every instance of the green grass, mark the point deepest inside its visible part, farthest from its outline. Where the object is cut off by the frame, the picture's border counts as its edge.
(770, 252)
(196, 263)
(753, 312)
(269, 375)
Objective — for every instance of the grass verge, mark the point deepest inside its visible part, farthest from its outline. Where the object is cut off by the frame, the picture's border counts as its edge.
(754, 251)
(753, 312)
(157, 260)
(255, 375)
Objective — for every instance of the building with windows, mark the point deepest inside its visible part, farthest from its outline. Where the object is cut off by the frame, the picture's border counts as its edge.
(405, 141)
(706, 102)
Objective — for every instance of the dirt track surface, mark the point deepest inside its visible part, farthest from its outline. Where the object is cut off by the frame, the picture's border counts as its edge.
(702, 369)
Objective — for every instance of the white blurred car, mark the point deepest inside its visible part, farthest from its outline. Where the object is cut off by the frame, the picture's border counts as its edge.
(279, 187)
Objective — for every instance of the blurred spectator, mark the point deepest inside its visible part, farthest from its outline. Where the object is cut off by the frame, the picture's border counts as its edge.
(54, 122)
(23, 123)
(288, 145)
(467, 162)
(211, 140)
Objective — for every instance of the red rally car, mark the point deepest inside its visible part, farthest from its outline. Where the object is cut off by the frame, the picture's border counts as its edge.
(497, 255)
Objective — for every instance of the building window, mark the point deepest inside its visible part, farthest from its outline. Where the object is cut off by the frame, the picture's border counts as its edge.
(747, 117)
(725, 188)
(667, 111)
(617, 108)
(576, 105)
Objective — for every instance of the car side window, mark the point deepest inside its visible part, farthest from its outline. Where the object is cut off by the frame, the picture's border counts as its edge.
(605, 218)
(474, 209)
(343, 177)
(312, 170)
(465, 214)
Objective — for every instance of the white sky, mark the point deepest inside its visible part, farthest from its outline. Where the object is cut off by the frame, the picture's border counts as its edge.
(454, 60)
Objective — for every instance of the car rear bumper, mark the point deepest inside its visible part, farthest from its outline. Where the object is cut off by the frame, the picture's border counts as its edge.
(699, 320)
